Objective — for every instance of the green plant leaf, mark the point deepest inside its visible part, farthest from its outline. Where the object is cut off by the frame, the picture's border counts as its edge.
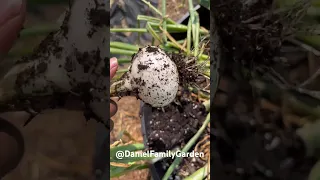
(200, 174)
(130, 147)
(128, 160)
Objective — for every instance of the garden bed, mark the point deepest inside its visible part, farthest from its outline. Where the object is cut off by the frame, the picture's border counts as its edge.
(182, 124)
(257, 128)
(172, 127)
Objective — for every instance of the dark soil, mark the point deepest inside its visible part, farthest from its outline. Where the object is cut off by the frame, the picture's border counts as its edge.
(175, 124)
(250, 140)
(188, 73)
(172, 127)
(251, 43)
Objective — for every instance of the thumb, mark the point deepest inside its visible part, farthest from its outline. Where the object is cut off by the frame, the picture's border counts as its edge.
(113, 66)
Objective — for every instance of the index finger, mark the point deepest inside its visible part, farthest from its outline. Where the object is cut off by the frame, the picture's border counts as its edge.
(12, 16)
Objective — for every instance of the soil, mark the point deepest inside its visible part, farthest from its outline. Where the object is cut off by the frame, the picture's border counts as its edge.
(188, 73)
(251, 43)
(254, 130)
(174, 124)
(172, 127)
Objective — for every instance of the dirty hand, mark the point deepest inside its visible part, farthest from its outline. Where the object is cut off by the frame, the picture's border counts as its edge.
(113, 70)
(12, 16)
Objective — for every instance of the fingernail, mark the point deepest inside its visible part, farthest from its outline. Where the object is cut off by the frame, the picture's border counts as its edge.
(9, 9)
(113, 62)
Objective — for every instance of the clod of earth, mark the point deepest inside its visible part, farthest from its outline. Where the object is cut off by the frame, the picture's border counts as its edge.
(176, 125)
(153, 76)
(68, 63)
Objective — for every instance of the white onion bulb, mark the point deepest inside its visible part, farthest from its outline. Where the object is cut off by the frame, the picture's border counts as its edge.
(154, 76)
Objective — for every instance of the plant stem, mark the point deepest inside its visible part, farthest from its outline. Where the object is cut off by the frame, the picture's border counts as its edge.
(148, 18)
(200, 174)
(153, 33)
(157, 11)
(122, 70)
(39, 30)
(139, 30)
(124, 46)
(191, 12)
(164, 22)
(119, 171)
(196, 33)
(121, 51)
(173, 41)
(20, 52)
(114, 50)
(175, 28)
(207, 105)
(189, 37)
(130, 147)
(139, 33)
(171, 28)
(186, 148)
(124, 61)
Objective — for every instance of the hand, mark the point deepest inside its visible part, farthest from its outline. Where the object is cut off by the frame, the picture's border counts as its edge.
(12, 16)
(113, 70)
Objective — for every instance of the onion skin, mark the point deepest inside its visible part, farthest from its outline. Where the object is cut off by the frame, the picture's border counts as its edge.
(154, 76)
